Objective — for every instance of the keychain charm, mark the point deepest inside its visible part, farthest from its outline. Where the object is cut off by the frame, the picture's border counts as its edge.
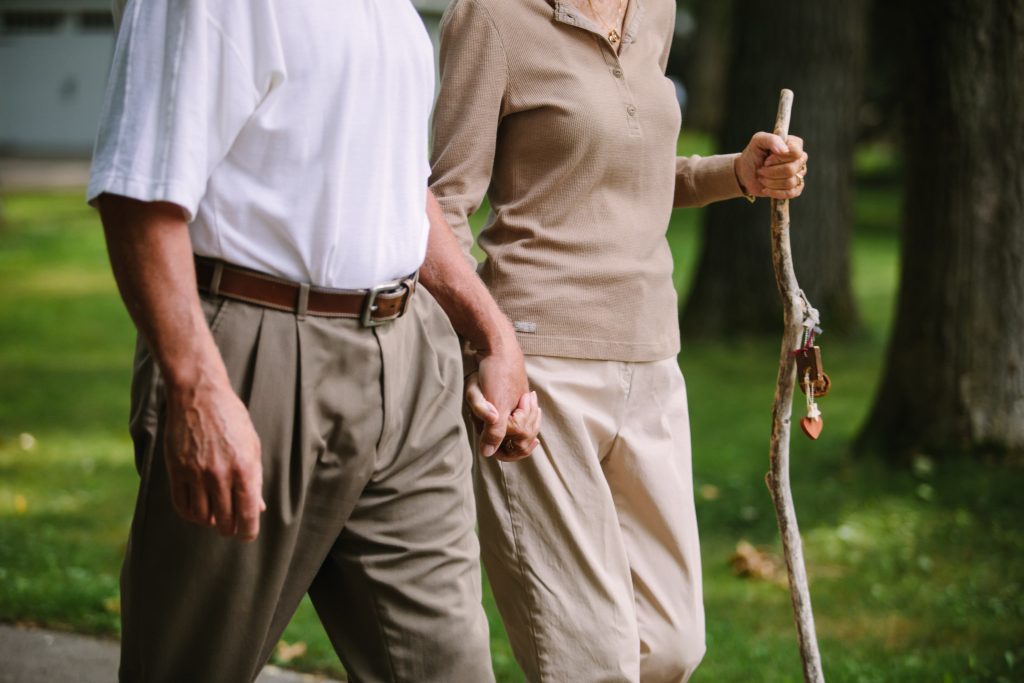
(812, 424)
(809, 369)
(811, 375)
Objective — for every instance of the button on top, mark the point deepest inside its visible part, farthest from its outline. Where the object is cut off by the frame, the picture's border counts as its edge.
(617, 72)
(631, 110)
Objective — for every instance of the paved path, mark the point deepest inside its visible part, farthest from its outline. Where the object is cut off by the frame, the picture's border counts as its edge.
(43, 174)
(37, 656)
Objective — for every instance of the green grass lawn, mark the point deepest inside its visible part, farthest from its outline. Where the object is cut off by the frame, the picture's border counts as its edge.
(916, 575)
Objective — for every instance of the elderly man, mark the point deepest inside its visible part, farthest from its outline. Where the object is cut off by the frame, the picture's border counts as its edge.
(261, 173)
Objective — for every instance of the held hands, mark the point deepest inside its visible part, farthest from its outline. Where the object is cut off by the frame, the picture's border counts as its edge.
(770, 167)
(213, 459)
(497, 397)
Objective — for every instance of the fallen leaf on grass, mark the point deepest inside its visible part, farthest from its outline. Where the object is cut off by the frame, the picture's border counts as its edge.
(753, 563)
(288, 652)
(20, 504)
(709, 492)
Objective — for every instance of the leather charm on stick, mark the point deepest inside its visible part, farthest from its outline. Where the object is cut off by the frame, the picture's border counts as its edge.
(808, 365)
(812, 424)
(810, 369)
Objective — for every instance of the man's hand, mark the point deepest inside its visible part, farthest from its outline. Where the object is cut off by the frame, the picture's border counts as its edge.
(510, 420)
(497, 394)
(211, 448)
(771, 167)
(213, 459)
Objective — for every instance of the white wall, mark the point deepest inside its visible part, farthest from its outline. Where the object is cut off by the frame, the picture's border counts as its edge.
(52, 82)
(51, 88)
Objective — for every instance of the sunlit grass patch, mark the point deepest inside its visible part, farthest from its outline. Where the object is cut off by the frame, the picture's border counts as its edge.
(65, 505)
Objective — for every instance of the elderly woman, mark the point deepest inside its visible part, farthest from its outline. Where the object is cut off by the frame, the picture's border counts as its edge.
(560, 112)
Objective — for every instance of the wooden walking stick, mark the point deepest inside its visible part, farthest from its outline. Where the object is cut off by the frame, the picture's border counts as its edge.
(796, 310)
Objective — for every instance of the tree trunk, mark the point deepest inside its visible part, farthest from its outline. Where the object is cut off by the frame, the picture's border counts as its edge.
(817, 50)
(954, 381)
(705, 64)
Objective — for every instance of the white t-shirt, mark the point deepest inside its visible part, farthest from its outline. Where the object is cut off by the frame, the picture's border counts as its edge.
(293, 133)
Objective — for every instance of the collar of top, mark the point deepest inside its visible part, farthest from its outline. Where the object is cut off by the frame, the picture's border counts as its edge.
(566, 12)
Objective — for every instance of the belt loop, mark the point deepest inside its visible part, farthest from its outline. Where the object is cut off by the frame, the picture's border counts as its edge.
(303, 302)
(218, 271)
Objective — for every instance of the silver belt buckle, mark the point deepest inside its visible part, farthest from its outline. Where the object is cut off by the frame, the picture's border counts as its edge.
(366, 318)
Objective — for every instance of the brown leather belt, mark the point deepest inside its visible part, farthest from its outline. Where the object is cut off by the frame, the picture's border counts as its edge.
(370, 306)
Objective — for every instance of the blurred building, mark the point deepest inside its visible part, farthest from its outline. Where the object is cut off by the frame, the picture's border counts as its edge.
(54, 56)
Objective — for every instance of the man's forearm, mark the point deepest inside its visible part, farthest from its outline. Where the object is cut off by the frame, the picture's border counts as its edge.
(501, 385)
(464, 298)
(151, 256)
(211, 449)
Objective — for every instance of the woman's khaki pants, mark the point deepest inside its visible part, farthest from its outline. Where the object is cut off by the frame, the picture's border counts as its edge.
(591, 543)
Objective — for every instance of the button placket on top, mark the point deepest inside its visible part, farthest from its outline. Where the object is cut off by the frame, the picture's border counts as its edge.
(631, 24)
(614, 65)
(566, 13)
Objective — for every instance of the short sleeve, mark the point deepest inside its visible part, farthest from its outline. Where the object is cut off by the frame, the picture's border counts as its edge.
(178, 94)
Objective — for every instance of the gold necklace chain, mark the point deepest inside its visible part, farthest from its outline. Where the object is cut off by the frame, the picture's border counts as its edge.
(613, 34)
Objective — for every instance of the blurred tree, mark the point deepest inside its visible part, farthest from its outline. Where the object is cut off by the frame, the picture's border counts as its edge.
(816, 49)
(954, 380)
(703, 63)
(886, 55)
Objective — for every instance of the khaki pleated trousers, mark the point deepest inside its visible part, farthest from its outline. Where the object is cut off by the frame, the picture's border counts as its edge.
(591, 543)
(368, 485)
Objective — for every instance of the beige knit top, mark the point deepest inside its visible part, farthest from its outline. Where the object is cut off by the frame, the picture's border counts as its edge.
(574, 145)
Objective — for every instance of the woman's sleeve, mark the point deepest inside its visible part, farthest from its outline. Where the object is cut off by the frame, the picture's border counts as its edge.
(702, 180)
(468, 112)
